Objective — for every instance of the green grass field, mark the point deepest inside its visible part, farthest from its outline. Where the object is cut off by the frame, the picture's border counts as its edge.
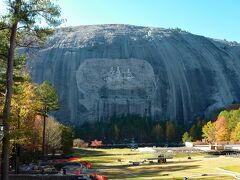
(114, 163)
(233, 168)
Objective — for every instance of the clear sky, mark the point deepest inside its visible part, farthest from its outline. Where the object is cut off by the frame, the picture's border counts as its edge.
(212, 18)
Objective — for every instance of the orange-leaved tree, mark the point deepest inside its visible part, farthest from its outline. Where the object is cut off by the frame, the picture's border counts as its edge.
(222, 132)
(170, 131)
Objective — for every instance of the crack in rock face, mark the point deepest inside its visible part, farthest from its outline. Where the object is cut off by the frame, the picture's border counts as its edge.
(116, 87)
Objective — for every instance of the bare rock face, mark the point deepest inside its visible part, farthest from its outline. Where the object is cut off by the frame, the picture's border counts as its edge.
(113, 70)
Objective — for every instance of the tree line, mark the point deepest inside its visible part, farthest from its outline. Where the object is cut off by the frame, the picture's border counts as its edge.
(226, 128)
(120, 129)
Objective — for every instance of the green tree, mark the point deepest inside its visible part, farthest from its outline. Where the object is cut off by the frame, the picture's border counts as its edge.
(196, 131)
(116, 132)
(208, 131)
(67, 140)
(49, 99)
(235, 136)
(22, 20)
(193, 132)
(199, 126)
(170, 131)
(186, 137)
(3, 61)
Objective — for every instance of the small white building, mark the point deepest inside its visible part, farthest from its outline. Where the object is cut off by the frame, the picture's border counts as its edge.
(213, 147)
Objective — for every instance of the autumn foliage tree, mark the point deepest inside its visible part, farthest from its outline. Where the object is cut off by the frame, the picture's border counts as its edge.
(208, 131)
(225, 128)
(170, 131)
(157, 133)
(222, 132)
(96, 143)
(232, 117)
(25, 106)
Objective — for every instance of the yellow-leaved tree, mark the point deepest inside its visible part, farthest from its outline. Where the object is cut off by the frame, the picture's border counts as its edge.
(222, 132)
(25, 105)
(235, 135)
(208, 131)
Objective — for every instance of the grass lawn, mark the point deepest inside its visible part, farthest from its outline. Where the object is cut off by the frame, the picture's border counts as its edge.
(114, 163)
(232, 168)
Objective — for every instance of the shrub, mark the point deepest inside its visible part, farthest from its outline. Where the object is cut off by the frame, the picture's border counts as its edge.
(96, 143)
(79, 143)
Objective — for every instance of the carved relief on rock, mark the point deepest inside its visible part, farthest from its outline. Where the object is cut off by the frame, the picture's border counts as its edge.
(116, 86)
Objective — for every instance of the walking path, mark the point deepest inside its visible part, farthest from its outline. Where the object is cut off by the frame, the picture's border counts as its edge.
(234, 174)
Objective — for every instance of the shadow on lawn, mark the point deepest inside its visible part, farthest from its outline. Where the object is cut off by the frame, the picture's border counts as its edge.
(151, 166)
(97, 152)
(89, 152)
(146, 165)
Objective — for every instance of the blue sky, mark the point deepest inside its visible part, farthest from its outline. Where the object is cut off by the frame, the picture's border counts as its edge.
(212, 18)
